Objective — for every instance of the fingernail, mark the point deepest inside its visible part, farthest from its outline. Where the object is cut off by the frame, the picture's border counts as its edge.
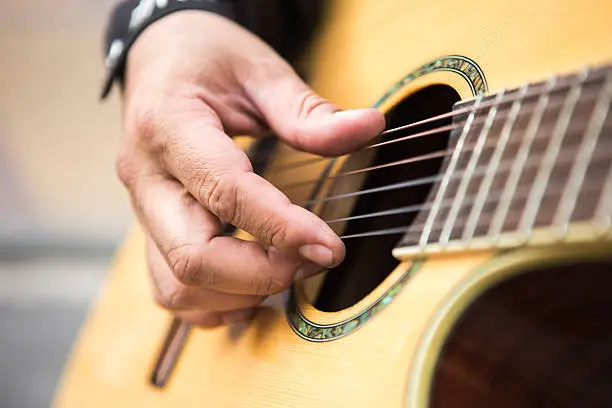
(307, 270)
(350, 114)
(318, 254)
(237, 316)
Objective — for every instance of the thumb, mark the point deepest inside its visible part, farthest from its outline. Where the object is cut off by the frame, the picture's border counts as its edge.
(306, 120)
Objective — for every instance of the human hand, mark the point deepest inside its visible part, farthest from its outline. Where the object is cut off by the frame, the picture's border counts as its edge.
(193, 79)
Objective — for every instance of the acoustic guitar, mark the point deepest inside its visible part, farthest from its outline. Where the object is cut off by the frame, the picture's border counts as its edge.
(478, 231)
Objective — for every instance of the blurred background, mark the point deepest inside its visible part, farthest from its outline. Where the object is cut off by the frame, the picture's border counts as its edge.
(62, 211)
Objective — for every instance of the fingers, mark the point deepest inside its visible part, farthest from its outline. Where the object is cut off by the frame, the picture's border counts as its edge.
(194, 305)
(188, 237)
(303, 118)
(218, 174)
(184, 94)
(176, 296)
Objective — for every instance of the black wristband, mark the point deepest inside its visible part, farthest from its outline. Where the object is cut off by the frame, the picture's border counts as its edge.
(124, 29)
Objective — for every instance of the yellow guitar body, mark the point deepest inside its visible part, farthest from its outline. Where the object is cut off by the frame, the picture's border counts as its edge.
(391, 356)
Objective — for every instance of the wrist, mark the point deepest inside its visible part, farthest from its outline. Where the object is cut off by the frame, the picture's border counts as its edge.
(179, 48)
(124, 32)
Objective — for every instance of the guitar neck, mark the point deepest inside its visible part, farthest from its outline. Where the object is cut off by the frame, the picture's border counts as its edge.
(526, 166)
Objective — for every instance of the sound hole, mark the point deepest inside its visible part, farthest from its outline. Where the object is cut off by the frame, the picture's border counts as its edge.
(369, 260)
(539, 340)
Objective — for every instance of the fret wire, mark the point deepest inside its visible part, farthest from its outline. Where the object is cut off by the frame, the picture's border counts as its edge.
(519, 162)
(493, 197)
(583, 158)
(447, 176)
(603, 213)
(534, 201)
(468, 174)
(493, 166)
(524, 193)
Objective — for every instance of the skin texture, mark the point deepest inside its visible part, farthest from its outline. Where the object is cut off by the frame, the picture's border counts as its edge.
(193, 80)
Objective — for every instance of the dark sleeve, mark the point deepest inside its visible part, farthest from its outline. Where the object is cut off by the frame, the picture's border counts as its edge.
(286, 25)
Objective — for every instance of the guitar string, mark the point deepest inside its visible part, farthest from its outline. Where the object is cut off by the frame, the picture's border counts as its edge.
(504, 166)
(307, 162)
(410, 160)
(388, 187)
(416, 207)
(416, 228)
(555, 101)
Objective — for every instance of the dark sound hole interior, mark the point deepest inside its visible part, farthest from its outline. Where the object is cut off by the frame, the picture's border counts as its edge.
(369, 260)
(542, 339)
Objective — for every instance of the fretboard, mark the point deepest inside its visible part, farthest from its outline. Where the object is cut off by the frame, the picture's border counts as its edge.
(528, 163)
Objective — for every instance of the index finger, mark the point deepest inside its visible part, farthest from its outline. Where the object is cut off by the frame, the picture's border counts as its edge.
(219, 175)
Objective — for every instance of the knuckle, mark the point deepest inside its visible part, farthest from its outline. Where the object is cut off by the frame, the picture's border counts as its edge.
(271, 285)
(144, 121)
(148, 127)
(308, 103)
(276, 233)
(175, 298)
(125, 169)
(220, 196)
(186, 263)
